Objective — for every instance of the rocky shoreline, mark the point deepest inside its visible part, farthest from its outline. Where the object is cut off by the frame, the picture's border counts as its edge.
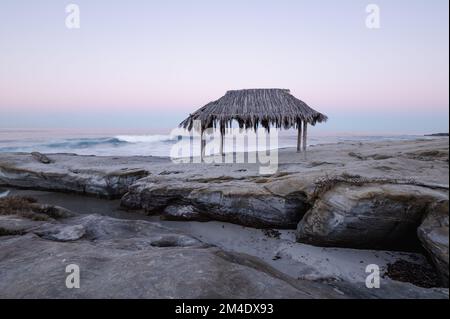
(390, 196)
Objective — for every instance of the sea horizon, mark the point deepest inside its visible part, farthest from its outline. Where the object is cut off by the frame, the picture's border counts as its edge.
(158, 142)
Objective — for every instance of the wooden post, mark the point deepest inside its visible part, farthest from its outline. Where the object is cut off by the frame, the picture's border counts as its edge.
(299, 137)
(222, 137)
(202, 145)
(305, 134)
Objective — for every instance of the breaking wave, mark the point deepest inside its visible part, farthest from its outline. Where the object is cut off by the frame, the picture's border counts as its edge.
(119, 140)
(85, 142)
(145, 138)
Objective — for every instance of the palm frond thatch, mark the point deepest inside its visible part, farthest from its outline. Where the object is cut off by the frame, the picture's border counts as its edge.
(254, 107)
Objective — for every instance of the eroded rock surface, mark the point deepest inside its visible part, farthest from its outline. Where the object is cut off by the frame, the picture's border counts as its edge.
(68, 173)
(138, 259)
(353, 194)
(241, 202)
(434, 235)
(61, 233)
(235, 193)
(183, 213)
(368, 216)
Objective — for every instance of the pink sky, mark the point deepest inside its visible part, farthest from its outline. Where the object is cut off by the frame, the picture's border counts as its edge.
(171, 57)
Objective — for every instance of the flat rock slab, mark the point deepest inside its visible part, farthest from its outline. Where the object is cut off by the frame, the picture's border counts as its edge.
(137, 259)
(70, 173)
(65, 233)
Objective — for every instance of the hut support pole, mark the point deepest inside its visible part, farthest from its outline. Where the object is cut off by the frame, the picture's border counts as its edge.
(202, 145)
(222, 137)
(305, 135)
(299, 137)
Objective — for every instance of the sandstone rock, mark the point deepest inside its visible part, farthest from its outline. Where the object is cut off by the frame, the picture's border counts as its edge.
(240, 202)
(51, 211)
(145, 234)
(370, 216)
(51, 230)
(27, 207)
(179, 212)
(434, 235)
(64, 233)
(109, 184)
(12, 224)
(137, 259)
(236, 192)
(41, 158)
(108, 272)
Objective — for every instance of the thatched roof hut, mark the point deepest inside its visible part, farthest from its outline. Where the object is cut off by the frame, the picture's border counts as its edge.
(256, 107)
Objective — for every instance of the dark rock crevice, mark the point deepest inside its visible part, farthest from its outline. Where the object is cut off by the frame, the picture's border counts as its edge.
(260, 210)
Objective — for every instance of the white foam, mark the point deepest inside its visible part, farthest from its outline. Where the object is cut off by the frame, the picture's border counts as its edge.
(5, 194)
(144, 138)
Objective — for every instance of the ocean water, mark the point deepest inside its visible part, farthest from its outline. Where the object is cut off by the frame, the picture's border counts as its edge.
(154, 143)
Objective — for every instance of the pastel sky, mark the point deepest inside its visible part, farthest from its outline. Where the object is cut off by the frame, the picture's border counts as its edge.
(147, 64)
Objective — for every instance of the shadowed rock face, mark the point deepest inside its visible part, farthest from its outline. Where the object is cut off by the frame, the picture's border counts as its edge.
(242, 203)
(368, 216)
(434, 235)
(99, 181)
